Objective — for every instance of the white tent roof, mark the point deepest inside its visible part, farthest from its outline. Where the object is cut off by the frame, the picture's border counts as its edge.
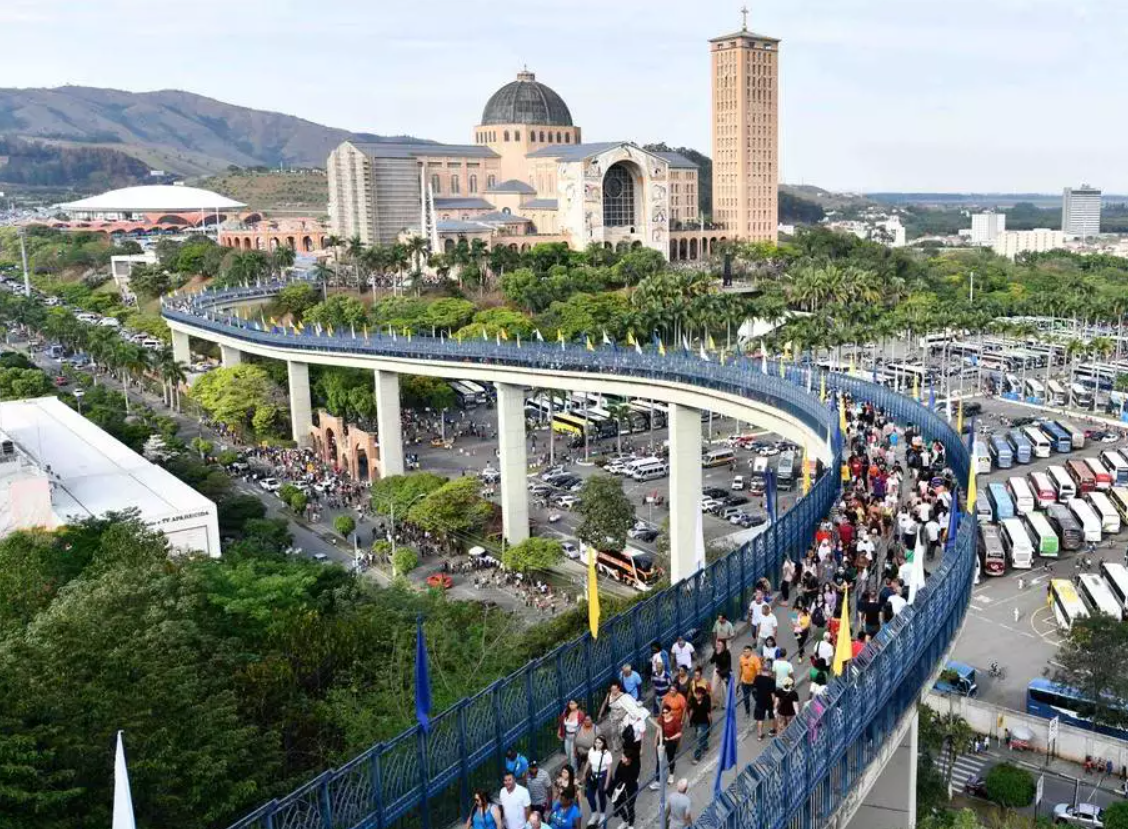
(155, 198)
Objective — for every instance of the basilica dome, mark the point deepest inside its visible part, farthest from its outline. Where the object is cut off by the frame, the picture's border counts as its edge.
(525, 101)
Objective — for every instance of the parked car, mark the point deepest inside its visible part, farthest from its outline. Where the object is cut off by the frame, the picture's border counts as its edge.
(748, 520)
(270, 484)
(738, 482)
(1083, 814)
(61, 381)
(490, 475)
(566, 501)
(734, 500)
(570, 550)
(714, 492)
(540, 490)
(711, 504)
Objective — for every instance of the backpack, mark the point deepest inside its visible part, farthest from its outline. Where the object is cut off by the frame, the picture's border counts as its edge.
(818, 618)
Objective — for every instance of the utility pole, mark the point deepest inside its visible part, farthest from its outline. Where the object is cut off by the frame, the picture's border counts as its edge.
(971, 289)
(23, 255)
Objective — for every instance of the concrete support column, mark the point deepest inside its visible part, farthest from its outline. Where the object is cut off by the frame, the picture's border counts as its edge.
(891, 801)
(301, 412)
(389, 427)
(181, 352)
(514, 463)
(230, 355)
(685, 489)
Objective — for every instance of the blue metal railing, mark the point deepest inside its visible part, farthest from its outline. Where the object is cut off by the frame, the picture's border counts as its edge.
(429, 776)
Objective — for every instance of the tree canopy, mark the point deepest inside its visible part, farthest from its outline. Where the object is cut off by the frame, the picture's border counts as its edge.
(607, 513)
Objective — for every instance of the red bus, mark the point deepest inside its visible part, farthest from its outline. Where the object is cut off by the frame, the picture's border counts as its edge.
(1082, 475)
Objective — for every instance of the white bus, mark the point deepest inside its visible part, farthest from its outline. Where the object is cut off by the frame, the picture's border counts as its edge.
(1021, 495)
(982, 459)
(1119, 497)
(1035, 389)
(1116, 465)
(1063, 484)
(649, 469)
(1080, 396)
(1057, 393)
(1039, 443)
(1077, 436)
(1116, 579)
(1097, 596)
(1106, 512)
(1068, 607)
(1016, 542)
(1090, 523)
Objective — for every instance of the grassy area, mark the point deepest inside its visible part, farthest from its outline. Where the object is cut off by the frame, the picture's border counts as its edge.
(276, 193)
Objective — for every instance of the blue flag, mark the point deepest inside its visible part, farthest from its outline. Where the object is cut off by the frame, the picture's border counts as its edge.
(971, 437)
(422, 679)
(953, 522)
(931, 397)
(728, 756)
(770, 494)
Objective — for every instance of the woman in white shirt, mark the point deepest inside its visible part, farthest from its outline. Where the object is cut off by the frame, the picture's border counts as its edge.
(595, 773)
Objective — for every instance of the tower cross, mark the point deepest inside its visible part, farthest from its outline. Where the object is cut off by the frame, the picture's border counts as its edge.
(744, 14)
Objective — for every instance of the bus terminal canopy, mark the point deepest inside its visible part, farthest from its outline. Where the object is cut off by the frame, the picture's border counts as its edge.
(153, 198)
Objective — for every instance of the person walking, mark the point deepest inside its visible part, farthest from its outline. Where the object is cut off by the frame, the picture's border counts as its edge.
(514, 801)
(538, 785)
(700, 718)
(484, 814)
(570, 721)
(624, 790)
(749, 670)
(595, 774)
(667, 739)
(679, 807)
(584, 740)
(763, 689)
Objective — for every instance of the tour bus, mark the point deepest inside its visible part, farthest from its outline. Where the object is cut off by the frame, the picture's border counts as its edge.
(1097, 597)
(1066, 526)
(1021, 495)
(1046, 542)
(1020, 552)
(785, 470)
(1043, 489)
(1087, 518)
(570, 424)
(1080, 397)
(1083, 478)
(1106, 512)
(1060, 439)
(983, 512)
(1057, 393)
(1116, 579)
(635, 567)
(982, 458)
(1067, 605)
(1001, 452)
(1114, 462)
(649, 468)
(1012, 384)
(464, 397)
(1052, 701)
(655, 412)
(992, 556)
(1076, 435)
(1096, 375)
(1038, 440)
(1035, 389)
(1020, 445)
(1119, 497)
(1001, 504)
(718, 457)
(1063, 483)
(1101, 476)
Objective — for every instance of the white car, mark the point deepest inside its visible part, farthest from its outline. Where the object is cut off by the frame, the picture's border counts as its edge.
(710, 504)
(1083, 814)
(568, 501)
(738, 482)
(87, 318)
(109, 322)
(570, 550)
(270, 484)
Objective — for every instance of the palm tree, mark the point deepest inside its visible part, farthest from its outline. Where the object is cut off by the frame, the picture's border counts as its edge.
(128, 358)
(173, 374)
(323, 273)
(355, 250)
(281, 257)
(618, 410)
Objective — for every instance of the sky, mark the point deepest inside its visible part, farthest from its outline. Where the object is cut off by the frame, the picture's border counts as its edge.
(876, 95)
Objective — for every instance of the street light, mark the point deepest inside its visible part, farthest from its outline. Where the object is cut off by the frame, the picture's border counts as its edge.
(392, 519)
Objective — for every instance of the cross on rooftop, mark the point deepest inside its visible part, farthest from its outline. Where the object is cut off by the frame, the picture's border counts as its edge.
(744, 14)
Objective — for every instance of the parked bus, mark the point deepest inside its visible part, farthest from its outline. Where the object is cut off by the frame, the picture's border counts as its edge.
(1115, 575)
(1020, 445)
(785, 470)
(570, 424)
(1067, 527)
(1060, 440)
(634, 567)
(1087, 518)
(1067, 605)
(1076, 435)
(1020, 552)
(1043, 489)
(478, 389)
(1114, 462)
(1038, 440)
(982, 458)
(1119, 497)
(718, 457)
(992, 556)
(1035, 389)
(1057, 393)
(1052, 701)
(1001, 504)
(1011, 383)
(983, 512)
(1063, 483)
(1097, 596)
(1083, 478)
(1106, 512)
(1080, 397)
(1021, 495)
(464, 397)
(1001, 452)
(1102, 477)
(1046, 542)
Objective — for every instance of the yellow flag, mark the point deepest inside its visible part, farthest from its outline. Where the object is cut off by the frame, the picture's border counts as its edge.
(971, 493)
(853, 366)
(916, 388)
(630, 337)
(273, 322)
(822, 388)
(504, 334)
(300, 326)
(712, 344)
(588, 344)
(782, 367)
(842, 414)
(806, 471)
(843, 649)
(593, 595)
(329, 329)
(959, 418)
(662, 348)
(560, 335)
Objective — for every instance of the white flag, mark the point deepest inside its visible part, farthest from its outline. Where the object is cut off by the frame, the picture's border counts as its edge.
(916, 571)
(699, 542)
(540, 338)
(123, 802)
(703, 355)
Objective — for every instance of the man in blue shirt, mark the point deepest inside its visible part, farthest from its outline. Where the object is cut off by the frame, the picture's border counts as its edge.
(516, 764)
(631, 682)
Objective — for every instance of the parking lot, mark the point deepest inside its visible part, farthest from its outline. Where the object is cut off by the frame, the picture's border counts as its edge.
(1009, 621)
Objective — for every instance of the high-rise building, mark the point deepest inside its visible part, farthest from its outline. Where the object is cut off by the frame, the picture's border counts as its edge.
(1081, 212)
(746, 134)
(985, 227)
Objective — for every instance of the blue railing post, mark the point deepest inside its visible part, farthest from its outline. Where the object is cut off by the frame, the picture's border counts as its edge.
(325, 808)
(589, 686)
(425, 781)
(463, 763)
(377, 782)
(531, 725)
(499, 728)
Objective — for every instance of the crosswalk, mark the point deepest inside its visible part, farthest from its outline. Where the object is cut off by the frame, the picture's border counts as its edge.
(967, 766)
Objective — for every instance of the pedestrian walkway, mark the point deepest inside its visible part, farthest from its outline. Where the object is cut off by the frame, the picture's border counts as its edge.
(967, 767)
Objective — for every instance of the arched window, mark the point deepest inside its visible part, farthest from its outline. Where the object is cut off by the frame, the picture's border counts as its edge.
(454, 186)
(517, 135)
(618, 197)
(435, 188)
(558, 141)
(567, 138)
(491, 181)
(542, 136)
(505, 135)
(473, 184)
